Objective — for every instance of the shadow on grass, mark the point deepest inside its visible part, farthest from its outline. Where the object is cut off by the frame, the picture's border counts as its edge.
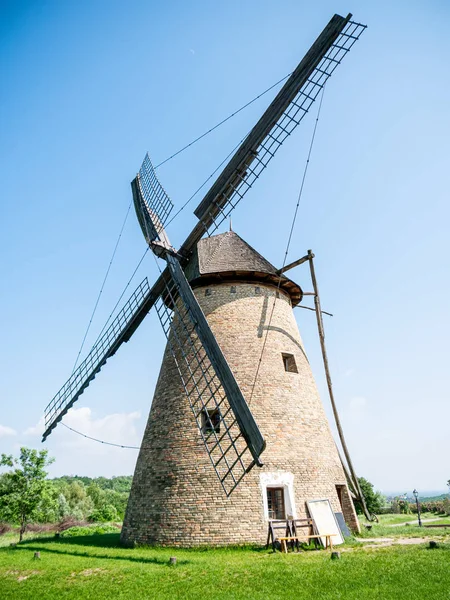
(105, 540)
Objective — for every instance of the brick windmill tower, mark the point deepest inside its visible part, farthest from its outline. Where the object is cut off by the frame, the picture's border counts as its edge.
(237, 434)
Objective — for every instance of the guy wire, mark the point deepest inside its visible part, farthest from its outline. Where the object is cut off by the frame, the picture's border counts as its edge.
(101, 288)
(300, 193)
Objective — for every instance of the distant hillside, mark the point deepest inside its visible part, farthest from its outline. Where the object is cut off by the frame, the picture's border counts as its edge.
(433, 498)
(427, 496)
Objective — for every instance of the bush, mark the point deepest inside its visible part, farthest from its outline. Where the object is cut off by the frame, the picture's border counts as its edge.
(4, 528)
(39, 527)
(374, 500)
(436, 507)
(446, 505)
(103, 515)
(89, 530)
(69, 522)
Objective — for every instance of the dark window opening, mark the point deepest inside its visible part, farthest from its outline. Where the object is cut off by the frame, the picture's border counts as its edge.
(257, 291)
(210, 421)
(207, 292)
(289, 363)
(275, 503)
(233, 289)
(340, 491)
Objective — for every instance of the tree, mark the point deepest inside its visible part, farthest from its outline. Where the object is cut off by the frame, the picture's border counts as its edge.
(24, 489)
(374, 500)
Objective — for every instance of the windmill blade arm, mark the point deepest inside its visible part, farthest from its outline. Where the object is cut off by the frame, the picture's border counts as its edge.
(239, 406)
(120, 330)
(279, 120)
(149, 220)
(151, 202)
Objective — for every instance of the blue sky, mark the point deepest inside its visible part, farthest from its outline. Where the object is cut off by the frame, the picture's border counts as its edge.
(89, 87)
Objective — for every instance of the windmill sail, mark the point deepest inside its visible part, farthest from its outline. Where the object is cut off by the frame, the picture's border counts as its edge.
(118, 332)
(280, 119)
(227, 427)
(152, 204)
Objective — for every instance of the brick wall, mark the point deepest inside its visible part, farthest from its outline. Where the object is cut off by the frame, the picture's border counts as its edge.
(176, 498)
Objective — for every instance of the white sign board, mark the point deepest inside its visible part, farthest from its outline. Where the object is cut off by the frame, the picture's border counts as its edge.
(326, 523)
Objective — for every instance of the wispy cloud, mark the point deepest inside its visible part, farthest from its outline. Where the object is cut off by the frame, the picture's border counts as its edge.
(7, 431)
(117, 428)
(37, 429)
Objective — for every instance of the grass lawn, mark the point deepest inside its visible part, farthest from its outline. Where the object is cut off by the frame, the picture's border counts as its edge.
(393, 519)
(389, 527)
(96, 567)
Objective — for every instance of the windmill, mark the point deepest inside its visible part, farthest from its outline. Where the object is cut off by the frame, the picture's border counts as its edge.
(212, 299)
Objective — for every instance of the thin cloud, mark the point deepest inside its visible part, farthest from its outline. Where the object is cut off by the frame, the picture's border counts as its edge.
(7, 431)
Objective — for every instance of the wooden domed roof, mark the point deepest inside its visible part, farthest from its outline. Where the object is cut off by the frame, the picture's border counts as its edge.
(227, 257)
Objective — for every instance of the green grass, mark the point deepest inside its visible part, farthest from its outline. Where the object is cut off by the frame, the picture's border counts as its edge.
(96, 567)
(393, 519)
(388, 527)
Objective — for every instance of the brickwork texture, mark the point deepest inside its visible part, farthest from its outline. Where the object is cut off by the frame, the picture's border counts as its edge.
(176, 498)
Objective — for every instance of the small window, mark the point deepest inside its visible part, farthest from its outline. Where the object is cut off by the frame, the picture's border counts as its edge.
(275, 503)
(207, 292)
(210, 421)
(233, 289)
(257, 291)
(289, 363)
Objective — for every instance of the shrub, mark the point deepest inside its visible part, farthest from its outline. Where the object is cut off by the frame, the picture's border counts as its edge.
(89, 530)
(103, 515)
(446, 505)
(374, 500)
(4, 528)
(69, 522)
(436, 507)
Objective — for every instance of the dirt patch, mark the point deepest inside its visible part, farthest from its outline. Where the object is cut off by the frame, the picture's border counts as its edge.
(384, 542)
(21, 575)
(89, 572)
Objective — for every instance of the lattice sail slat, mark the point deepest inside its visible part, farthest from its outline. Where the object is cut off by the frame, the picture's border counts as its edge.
(153, 205)
(107, 345)
(216, 422)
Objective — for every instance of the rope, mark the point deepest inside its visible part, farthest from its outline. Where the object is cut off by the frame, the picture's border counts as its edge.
(205, 182)
(120, 445)
(299, 197)
(122, 295)
(101, 288)
(222, 122)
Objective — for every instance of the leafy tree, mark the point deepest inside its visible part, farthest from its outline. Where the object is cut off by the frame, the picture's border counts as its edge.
(104, 514)
(374, 500)
(24, 490)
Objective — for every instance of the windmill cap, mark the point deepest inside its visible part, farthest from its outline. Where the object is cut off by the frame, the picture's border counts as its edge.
(227, 257)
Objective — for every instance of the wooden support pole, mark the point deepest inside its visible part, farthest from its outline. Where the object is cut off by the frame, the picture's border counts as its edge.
(291, 265)
(330, 387)
(324, 312)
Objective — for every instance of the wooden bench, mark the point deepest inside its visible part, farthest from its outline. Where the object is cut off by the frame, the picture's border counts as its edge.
(290, 529)
(316, 537)
(327, 536)
(284, 540)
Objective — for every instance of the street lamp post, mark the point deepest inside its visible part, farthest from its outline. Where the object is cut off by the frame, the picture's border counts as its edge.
(416, 496)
